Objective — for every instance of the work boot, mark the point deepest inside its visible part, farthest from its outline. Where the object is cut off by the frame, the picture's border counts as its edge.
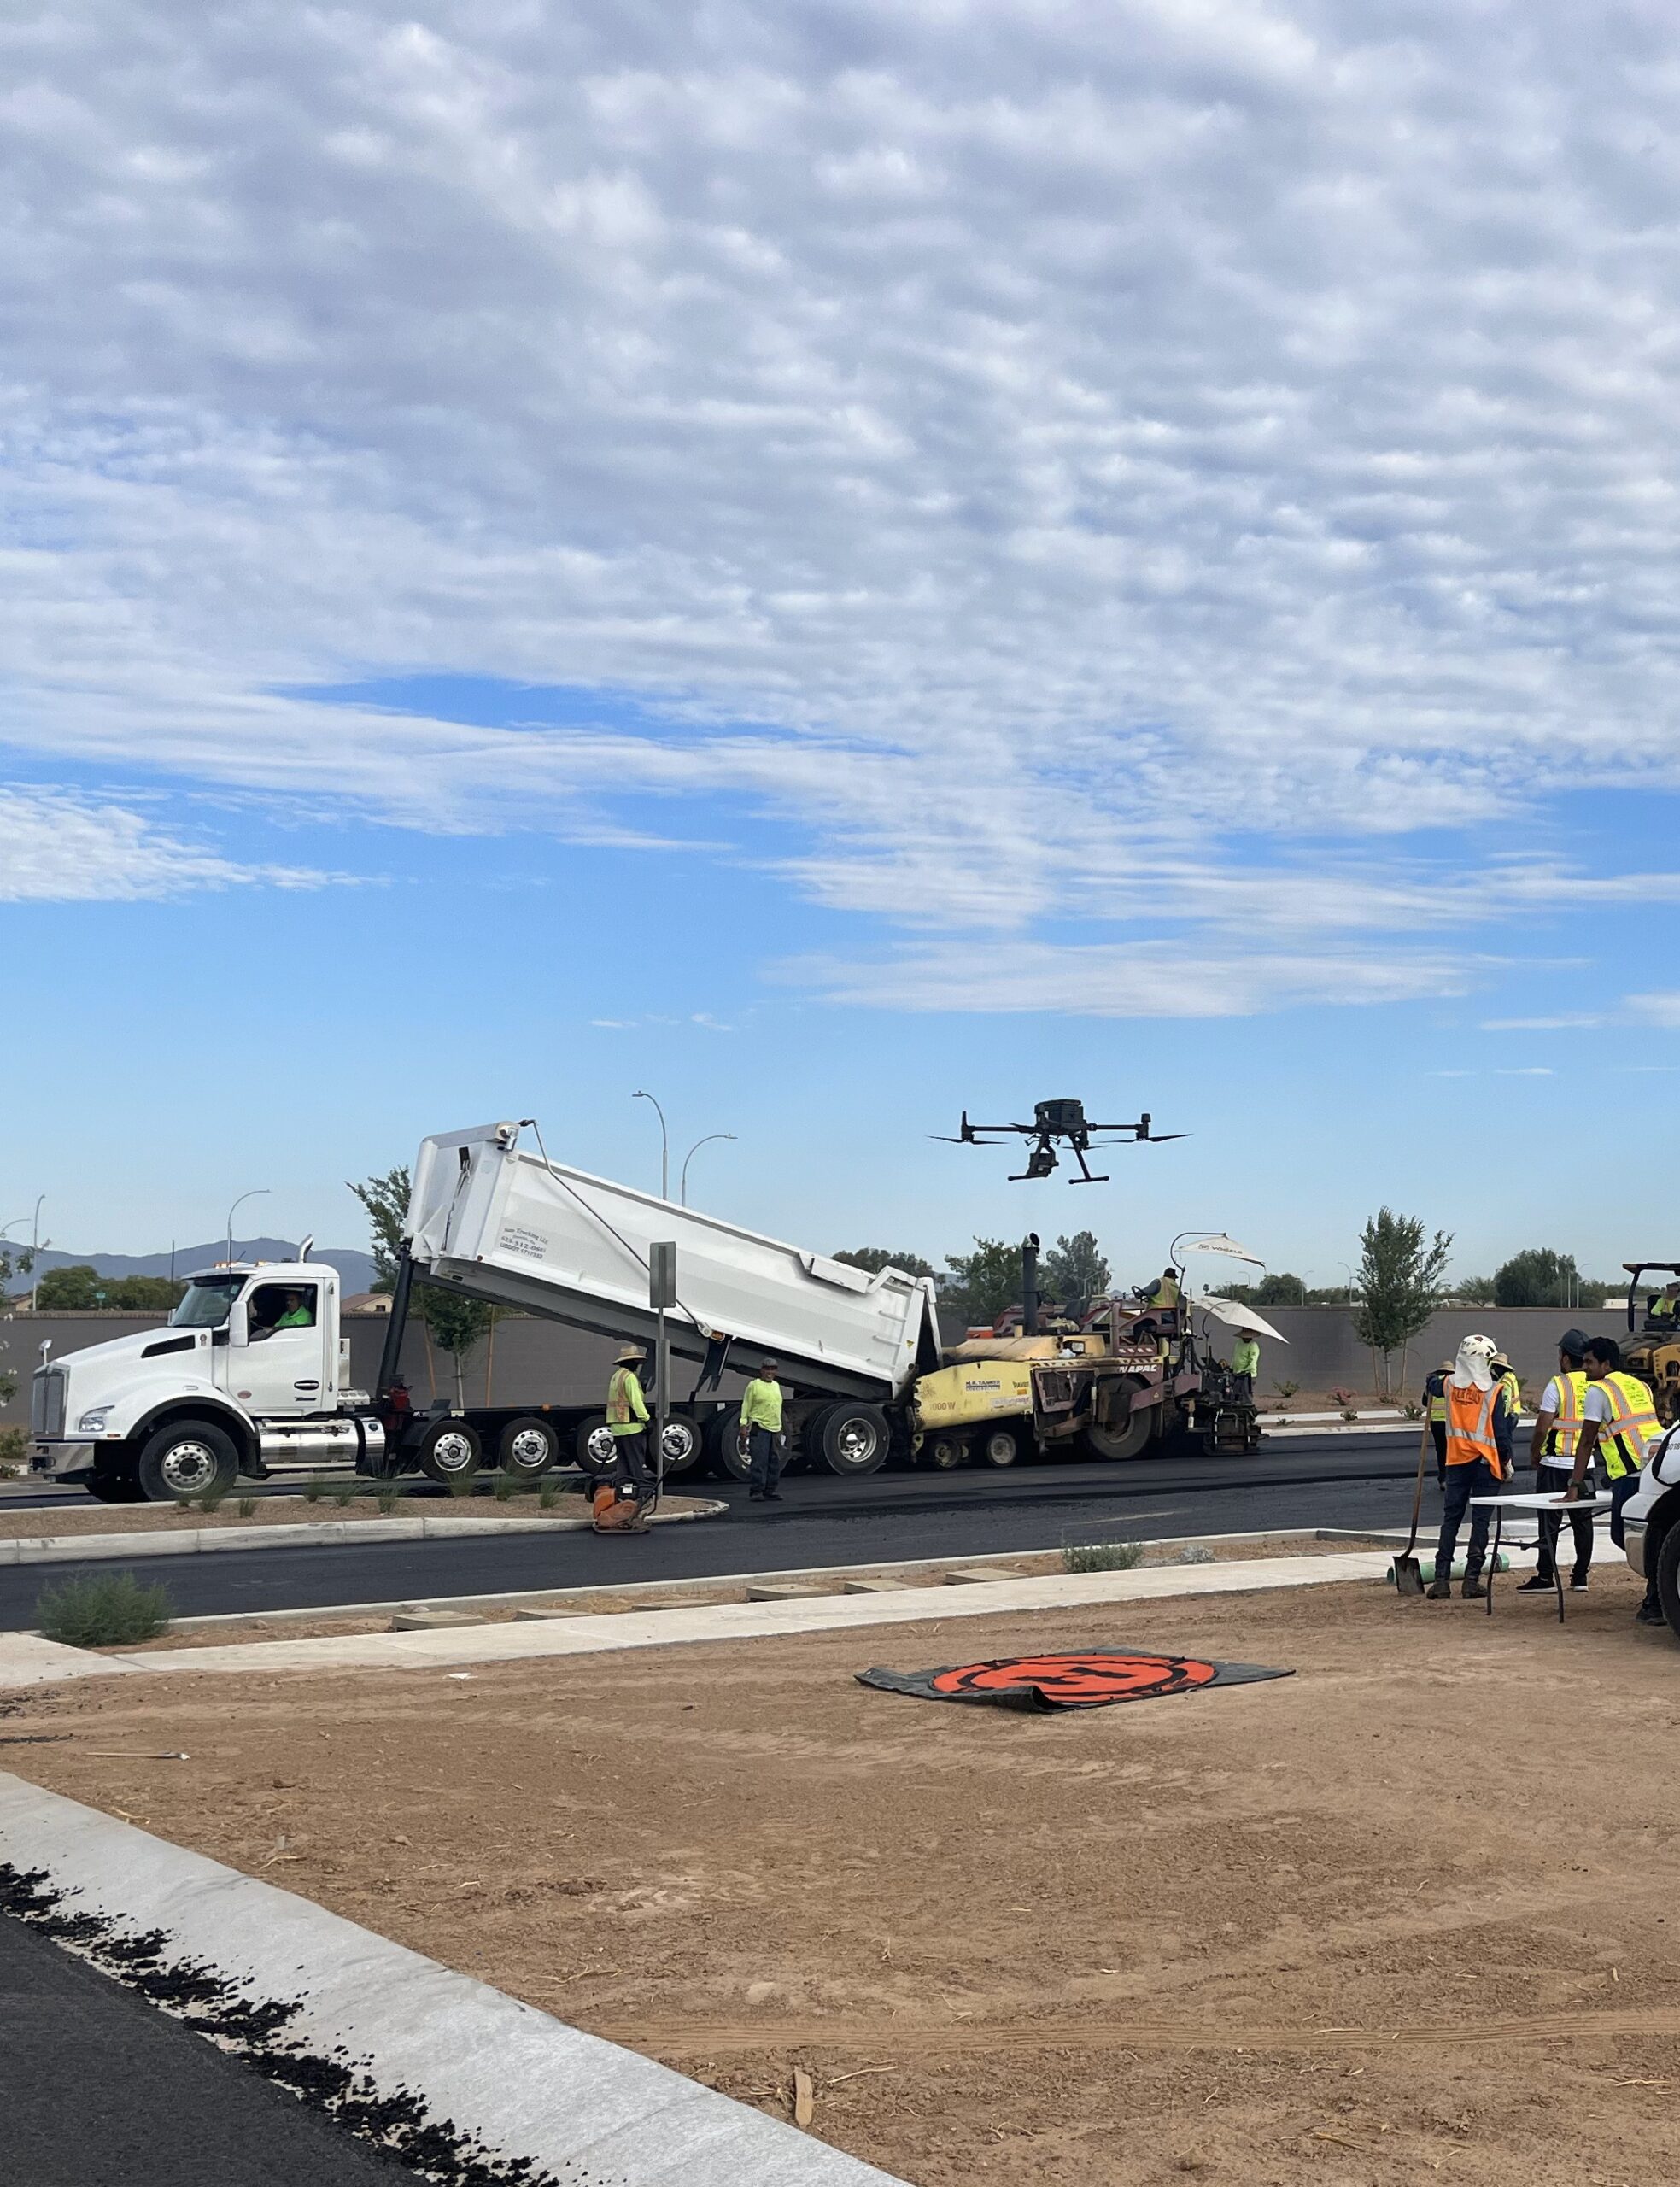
(1473, 1591)
(1441, 1591)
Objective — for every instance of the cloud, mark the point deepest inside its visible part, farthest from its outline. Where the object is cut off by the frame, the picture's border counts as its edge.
(1183, 463)
(1662, 1008)
(58, 848)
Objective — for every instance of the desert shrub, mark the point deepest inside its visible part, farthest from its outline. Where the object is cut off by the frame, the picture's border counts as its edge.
(110, 1609)
(344, 1495)
(1102, 1556)
(1286, 1390)
(314, 1488)
(247, 1507)
(386, 1495)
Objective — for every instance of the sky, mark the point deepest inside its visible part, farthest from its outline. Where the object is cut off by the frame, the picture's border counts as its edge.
(839, 564)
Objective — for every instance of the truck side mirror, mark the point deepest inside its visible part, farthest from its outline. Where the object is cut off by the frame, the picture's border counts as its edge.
(239, 1323)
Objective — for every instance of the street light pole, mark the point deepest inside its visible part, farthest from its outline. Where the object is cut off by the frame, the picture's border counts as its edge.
(664, 1145)
(35, 1252)
(256, 1192)
(682, 1186)
(1348, 1273)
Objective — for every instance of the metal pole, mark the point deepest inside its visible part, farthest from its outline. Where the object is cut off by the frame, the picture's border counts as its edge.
(661, 1294)
(35, 1253)
(664, 1145)
(1030, 1284)
(683, 1185)
(256, 1192)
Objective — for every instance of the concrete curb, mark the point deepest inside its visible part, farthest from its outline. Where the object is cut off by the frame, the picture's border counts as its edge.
(325, 1534)
(599, 1634)
(506, 2074)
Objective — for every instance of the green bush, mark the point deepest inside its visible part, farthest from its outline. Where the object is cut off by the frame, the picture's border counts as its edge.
(1286, 1390)
(386, 1495)
(462, 1484)
(1102, 1556)
(314, 1488)
(507, 1487)
(14, 1451)
(548, 1495)
(344, 1495)
(109, 1610)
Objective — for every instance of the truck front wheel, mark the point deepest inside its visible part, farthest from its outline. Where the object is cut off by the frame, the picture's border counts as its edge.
(1668, 1575)
(189, 1457)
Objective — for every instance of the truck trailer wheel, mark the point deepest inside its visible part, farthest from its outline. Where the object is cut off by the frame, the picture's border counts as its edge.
(683, 1447)
(849, 1438)
(449, 1450)
(721, 1456)
(189, 1457)
(997, 1447)
(1128, 1441)
(1668, 1575)
(528, 1447)
(591, 1445)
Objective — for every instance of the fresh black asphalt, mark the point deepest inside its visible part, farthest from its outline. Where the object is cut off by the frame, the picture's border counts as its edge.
(820, 1521)
(101, 2089)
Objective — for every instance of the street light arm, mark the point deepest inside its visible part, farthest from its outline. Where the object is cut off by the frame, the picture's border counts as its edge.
(257, 1191)
(682, 1186)
(665, 1143)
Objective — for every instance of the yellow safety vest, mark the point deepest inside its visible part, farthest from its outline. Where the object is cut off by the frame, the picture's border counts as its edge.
(1625, 1438)
(1514, 1396)
(626, 1407)
(1572, 1396)
(1437, 1398)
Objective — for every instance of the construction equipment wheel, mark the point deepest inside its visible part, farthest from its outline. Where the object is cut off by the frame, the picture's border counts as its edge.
(591, 1445)
(723, 1459)
(1129, 1440)
(528, 1447)
(683, 1450)
(449, 1451)
(944, 1452)
(849, 1438)
(997, 1447)
(188, 1457)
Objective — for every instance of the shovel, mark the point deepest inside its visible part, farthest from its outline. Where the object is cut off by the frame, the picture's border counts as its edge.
(1407, 1571)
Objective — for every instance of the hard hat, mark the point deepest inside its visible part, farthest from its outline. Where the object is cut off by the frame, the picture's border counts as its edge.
(628, 1355)
(1474, 1363)
(1574, 1342)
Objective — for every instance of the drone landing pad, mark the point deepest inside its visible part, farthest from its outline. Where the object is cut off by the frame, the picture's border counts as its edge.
(1071, 1678)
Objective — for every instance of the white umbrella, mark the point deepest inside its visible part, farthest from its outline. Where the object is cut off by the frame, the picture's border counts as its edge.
(1236, 1315)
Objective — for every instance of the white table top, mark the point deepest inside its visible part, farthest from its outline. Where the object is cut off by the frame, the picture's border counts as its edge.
(1532, 1500)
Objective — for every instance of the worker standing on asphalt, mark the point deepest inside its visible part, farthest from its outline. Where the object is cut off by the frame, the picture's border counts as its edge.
(1557, 1429)
(761, 1432)
(1435, 1410)
(1620, 1429)
(1246, 1363)
(1478, 1458)
(619, 1498)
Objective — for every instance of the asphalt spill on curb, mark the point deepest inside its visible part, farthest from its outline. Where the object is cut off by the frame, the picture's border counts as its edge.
(399, 2126)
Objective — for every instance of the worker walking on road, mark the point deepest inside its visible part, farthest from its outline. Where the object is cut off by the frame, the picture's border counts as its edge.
(1478, 1458)
(1620, 1429)
(619, 1497)
(761, 1432)
(1246, 1363)
(1435, 1410)
(1557, 1429)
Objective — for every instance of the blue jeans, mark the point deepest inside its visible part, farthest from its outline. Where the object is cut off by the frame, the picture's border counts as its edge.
(766, 1449)
(1462, 1483)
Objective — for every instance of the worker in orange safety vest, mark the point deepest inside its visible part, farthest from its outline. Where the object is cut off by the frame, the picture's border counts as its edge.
(1479, 1422)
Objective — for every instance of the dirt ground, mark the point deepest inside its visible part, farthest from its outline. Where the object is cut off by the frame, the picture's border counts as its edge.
(1410, 1911)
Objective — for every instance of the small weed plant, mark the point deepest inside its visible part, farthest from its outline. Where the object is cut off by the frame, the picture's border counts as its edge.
(1412, 1411)
(247, 1507)
(548, 1496)
(111, 1610)
(507, 1487)
(1286, 1390)
(213, 1499)
(461, 1484)
(344, 1495)
(387, 1496)
(314, 1488)
(1347, 1400)
(1102, 1556)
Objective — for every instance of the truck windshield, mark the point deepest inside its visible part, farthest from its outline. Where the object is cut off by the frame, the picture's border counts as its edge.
(207, 1302)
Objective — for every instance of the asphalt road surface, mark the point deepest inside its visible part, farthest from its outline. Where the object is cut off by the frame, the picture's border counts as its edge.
(101, 2087)
(820, 1521)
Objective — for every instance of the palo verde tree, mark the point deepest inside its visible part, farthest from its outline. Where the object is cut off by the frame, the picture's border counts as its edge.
(1076, 1269)
(1399, 1284)
(454, 1324)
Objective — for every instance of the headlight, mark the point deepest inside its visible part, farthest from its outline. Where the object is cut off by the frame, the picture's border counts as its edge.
(93, 1423)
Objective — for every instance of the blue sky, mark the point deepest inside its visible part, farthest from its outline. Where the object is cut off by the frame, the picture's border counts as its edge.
(842, 564)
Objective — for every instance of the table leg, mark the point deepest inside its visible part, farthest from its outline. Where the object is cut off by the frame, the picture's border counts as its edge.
(1492, 1560)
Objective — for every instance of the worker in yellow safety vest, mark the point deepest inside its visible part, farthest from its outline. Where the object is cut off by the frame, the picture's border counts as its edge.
(1435, 1411)
(619, 1495)
(1557, 1430)
(1478, 1458)
(1619, 1427)
(1506, 1376)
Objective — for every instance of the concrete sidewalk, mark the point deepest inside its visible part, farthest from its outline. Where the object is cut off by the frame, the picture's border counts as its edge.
(26, 1659)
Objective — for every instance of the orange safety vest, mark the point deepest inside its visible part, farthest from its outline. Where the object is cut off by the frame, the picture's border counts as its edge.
(1470, 1427)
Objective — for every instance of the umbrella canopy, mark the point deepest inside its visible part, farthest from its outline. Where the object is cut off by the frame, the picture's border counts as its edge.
(1236, 1315)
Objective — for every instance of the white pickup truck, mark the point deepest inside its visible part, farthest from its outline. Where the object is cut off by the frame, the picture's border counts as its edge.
(1651, 1522)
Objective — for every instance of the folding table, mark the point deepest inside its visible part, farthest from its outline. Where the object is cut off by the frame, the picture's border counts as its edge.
(1532, 1501)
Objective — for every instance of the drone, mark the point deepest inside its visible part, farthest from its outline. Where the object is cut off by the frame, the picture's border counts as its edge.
(1054, 1120)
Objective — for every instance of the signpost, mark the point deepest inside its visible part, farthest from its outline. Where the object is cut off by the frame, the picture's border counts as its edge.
(661, 1295)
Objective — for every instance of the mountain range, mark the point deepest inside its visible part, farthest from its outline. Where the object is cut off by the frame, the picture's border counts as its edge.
(355, 1269)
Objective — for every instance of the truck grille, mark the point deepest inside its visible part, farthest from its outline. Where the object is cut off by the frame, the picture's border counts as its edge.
(46, 1409)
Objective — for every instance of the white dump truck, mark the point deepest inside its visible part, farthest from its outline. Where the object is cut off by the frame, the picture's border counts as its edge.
(252, 1377)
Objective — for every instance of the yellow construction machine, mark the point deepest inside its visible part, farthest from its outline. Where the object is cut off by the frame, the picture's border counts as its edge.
(1653, 1347)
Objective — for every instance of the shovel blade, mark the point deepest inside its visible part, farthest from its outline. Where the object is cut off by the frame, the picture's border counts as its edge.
(1407, 1576)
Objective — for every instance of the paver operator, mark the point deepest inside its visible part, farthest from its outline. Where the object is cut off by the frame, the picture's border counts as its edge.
(1246, 1363)
(761, 1432)
(618, 1498)
(1557, 1429)
(1620, 1428)
(1478, 1458)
